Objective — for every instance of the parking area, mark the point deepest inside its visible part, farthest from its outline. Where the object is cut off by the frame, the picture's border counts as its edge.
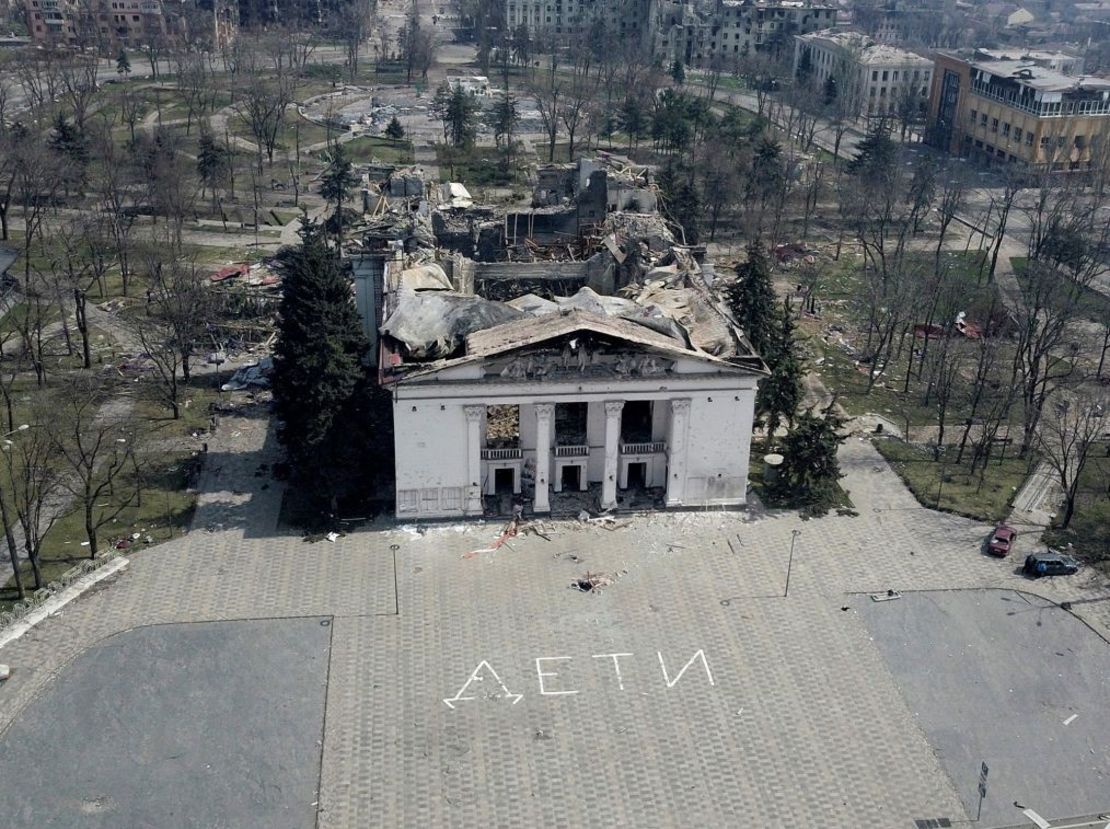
(198, 725)
(1005, 678)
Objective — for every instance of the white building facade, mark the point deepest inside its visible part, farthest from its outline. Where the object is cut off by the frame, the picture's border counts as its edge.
(882, 78)
(599, 403)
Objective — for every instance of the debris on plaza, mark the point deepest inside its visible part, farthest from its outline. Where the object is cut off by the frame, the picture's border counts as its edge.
(888, 596)
(591, 582)
(5, 672)
(595, 582)
(516, 527)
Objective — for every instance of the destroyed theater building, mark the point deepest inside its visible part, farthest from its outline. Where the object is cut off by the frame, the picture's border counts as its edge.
(606, 374)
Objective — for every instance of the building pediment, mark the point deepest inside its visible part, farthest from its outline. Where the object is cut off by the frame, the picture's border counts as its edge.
(580, 356)
(576, 345)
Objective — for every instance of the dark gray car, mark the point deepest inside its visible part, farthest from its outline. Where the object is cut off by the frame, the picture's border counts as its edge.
(1050, 564)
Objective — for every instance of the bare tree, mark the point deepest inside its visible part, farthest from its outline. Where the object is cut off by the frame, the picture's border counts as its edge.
(86, 255)
(9, 173)
(112, 181)
(174, 327)
(132, 108)
(547, 92)
(578, 93)
(31, 474)
(32, 316)
(266, 89)
(169, 178)
(40, 77)
(1066, 438)
(353, 24)
(9, 537)
(78, 86)
(195, 84)
(39, 175)
(1043, 356)
(93, 447)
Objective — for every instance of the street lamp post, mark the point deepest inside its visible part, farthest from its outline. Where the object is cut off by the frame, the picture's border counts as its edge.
(790, 562)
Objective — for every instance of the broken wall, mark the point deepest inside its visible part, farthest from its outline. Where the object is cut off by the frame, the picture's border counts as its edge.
(507, 280)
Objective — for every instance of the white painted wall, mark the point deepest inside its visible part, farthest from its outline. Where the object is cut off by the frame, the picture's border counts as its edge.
(719, 446)
(432, 451)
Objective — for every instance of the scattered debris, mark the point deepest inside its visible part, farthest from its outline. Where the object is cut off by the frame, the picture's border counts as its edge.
(574, 557)
(591, 582)
(510, 531)
(255, 374)
(888, 596)
(1070, 719)
(5, 672)
(333, 536)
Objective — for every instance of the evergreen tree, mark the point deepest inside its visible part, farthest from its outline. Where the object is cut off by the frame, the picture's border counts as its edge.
(462, 117)
(503, 119)
(213, 164)
(751, 299)
(681, 202)
(394, 130)
(72, 145)
(69, 142)
(441, 103)
(336, 183)
(123, 64)
(767, 175)
(632, 119)
(318, 372)
(779, 395)
(830, 90)
(876, 156)
(678, 73)
(810, 468)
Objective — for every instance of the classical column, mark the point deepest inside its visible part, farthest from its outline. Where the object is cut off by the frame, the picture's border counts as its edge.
(676, 452)
(612, 449)
(474, 459)
(544, 414)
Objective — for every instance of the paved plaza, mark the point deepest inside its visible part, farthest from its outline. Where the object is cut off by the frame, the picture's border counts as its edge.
(717, 681)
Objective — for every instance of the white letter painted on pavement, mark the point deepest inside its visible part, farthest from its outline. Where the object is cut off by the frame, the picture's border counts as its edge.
(616, 664)
(671, 682)
(475, 677)
(541, 674)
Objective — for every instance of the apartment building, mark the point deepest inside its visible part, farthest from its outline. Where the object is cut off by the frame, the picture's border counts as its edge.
(692, 34)
(560, 18)
(727, 31)
(105, 25)
(1026, 110)
(884, 80)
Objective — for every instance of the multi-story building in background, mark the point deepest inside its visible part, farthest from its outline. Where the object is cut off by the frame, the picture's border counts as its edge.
(104, 25)
(692, 34)
(562, 18)
(725, 32)
(878, 79)
(1025, 108)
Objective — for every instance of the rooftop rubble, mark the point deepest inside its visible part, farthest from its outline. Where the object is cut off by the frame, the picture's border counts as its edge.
(592, 251)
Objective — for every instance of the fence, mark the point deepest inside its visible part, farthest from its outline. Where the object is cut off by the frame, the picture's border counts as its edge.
(36, 599)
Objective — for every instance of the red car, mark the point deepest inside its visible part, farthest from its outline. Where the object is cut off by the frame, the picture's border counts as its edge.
(1002, 541)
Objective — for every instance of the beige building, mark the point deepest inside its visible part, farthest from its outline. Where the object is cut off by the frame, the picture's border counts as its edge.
(1018, 110)
(884, 80)
(104, 25)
